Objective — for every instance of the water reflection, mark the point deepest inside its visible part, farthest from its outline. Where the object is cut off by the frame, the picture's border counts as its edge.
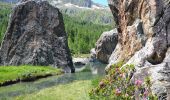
(96, 69)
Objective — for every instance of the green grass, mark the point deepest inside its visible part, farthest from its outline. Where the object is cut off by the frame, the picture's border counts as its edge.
(77, 90)
(10, 74)
(81, 55)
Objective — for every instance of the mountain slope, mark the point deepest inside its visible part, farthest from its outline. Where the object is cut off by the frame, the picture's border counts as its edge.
(98, 16)
(81, 3)
(9, 1)
(85, 10)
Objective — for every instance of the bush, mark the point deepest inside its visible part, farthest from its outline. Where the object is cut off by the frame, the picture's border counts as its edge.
(117, 85)
(96, 81)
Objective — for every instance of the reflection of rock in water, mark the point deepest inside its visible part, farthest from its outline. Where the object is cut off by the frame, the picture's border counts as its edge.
(97, 67)
(84, 64)
(80, 62)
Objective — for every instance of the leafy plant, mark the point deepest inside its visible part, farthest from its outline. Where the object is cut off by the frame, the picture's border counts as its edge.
(117, 85)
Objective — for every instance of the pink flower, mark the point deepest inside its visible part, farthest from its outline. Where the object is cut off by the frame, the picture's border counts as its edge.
(117, 69)
(126, 95)
(146, 93)
(122, 75)
(118, 91)
(101, 84)
(138, 82)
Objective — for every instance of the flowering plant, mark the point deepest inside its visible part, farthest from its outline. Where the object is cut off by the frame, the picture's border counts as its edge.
(117, 85)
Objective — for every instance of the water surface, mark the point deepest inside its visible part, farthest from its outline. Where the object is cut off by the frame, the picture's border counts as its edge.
(95, 70)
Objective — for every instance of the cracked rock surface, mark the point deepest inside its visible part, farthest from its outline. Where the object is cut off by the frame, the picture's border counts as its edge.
(36, 36)
(106, 45)
(144, 39)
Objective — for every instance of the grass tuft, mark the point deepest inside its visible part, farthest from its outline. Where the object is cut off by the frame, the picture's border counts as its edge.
(14, 74)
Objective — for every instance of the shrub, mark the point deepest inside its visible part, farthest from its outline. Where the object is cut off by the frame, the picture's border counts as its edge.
(117, 85)
(95, 81)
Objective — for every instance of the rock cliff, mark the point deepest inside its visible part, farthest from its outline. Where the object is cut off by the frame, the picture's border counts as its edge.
(36, 36)
(144, 39)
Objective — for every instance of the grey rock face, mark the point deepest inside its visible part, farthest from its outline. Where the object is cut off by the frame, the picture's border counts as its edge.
(92, 55)
(144, 39)
(106, 45)
(36, 36)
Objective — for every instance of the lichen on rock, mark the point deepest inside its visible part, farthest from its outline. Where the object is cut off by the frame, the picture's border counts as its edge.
(36, 36)
(106, 45)
(144, 38)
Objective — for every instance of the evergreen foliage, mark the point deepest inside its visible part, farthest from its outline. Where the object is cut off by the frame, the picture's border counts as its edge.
(5, 10)
(82, 35)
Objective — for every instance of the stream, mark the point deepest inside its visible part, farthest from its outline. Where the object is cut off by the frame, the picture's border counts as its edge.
(93, 70)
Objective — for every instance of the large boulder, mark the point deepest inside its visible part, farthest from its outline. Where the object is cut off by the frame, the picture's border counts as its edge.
(144, 39)
(36, 36)
(106, 45)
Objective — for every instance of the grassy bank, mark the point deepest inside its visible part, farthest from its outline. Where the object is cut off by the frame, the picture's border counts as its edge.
(81, 55)
(77, 90)
(14, 74)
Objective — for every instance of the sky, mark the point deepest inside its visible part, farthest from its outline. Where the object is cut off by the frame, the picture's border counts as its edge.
(103, 2)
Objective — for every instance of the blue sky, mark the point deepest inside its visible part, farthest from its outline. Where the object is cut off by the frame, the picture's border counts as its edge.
(104, 2)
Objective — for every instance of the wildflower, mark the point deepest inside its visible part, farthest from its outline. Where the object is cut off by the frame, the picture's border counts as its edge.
(138, 82)
(117, 69)
(122, 75)
(126, 95)
(118, 92)
(101, 84)
(146, 93)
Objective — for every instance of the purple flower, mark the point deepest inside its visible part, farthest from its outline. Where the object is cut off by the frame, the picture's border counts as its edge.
(138, 82)
(146, 93)
(118, 91)
(126, 95)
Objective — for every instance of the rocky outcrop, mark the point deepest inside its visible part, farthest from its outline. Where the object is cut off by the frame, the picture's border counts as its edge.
(36, 36)
(144, 38)
(106, 45)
